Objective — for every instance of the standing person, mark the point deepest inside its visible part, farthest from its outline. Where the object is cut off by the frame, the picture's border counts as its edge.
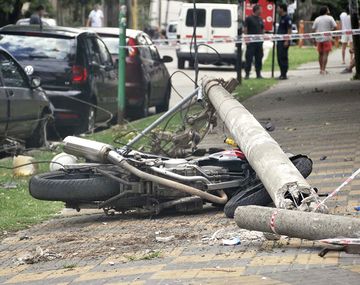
(254, 25)
(345, 39)
(96, 17)
(324, 23)
(35, 18)
(282, 47)
(291, 9)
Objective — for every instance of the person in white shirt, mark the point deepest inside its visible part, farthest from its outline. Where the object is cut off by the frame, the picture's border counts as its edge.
(345, 39)
(96, 17)
(324, 23)
(291, 9)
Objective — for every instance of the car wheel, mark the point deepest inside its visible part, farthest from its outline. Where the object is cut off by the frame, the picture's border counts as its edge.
(38, 137)
(165, 105)
(88, 125)
(181, 63)
(191, 64)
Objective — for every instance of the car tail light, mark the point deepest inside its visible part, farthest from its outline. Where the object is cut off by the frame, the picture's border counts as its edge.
(79, 74)
(133, 51)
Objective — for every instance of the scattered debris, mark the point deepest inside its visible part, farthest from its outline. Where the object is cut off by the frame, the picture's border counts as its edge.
(219, 269)
(37, 255)
(349, 245)
(317, 90)
(233, 241)
(23, 166)
(323, 157)
(8, 185)
(357, 208)
(348, 159)
(111, 263)
(164, 239)
(24, 237)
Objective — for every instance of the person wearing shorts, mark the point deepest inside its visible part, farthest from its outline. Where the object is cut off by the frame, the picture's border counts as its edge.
(346, 40)
(324, 23)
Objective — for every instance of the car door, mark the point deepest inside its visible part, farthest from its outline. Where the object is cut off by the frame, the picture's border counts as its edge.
(223, 27)
(110, 77)
(24, 110)
(4, 110)
(158, 93)
(147, 63)
(97, 77)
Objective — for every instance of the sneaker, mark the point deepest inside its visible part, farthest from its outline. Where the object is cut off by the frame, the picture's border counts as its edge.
(346, 70)
(247, 76)
(281, 77)
(259, 77)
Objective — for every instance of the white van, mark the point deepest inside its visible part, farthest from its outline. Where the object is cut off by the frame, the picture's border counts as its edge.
(214, 22)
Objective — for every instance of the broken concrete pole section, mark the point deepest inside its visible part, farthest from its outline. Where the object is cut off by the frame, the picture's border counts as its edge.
(298, 224)
(264, 154)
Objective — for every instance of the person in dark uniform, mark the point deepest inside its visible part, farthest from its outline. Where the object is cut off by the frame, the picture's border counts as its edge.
(254, 25)
(35, 18)
(282, 47)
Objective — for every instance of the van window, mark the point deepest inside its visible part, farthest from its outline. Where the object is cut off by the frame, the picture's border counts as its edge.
(221, 18)
(172, 28)
(200, 18)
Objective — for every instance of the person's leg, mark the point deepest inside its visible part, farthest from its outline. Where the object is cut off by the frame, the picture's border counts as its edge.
(286, 61)
(278, 52)
(319, 48)
(280, 56)
(343, 51)
(325, 60)
(249, 57)
(258, 59)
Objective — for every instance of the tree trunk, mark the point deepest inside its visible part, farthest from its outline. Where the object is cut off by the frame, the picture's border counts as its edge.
(354, 12)
(305, 10)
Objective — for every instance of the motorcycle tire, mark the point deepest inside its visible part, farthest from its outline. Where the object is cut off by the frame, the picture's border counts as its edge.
(257, 195)
(72, 187)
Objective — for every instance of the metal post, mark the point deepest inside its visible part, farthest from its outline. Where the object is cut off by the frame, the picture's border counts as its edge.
(239, 45)
(122, 57)
(167, 12)
(297, 224)
(159, 12)
(274, 45)
(354, 13)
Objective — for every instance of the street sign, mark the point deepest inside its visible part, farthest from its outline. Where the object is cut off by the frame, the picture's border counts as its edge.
(268, 13)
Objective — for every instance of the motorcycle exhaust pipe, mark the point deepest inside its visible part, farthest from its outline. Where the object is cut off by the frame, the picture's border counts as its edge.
(91, 150)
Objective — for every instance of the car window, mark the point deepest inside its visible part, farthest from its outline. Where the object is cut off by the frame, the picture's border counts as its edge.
(36, 47)
(172, 28)
(144, 49)
(112, 44)
(12, 75)
(200, 18)
(153, 50)
(221, 18)
(92, 50)
(104, 54)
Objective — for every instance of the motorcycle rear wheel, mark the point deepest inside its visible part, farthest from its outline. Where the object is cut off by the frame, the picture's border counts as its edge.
(72, 187)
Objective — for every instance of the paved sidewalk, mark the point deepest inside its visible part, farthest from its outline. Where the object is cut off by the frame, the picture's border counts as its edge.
(313, 114)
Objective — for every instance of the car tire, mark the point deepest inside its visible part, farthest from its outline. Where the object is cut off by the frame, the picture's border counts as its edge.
(72, 187)
(258, 195)
(181, 63)
(191, 64)
(165, 105)
(88, 124)
(38, 137)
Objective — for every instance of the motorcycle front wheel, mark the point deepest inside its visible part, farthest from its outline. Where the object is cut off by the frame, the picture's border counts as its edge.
(72, 186)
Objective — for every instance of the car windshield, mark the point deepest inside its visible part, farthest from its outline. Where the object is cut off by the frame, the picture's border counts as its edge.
(25, 47)
(112, 44)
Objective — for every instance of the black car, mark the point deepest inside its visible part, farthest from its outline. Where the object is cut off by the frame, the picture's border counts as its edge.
(76, 70)
(147, 78)
(24, 108)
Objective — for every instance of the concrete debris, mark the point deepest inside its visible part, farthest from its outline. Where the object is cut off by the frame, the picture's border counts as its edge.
(36, 256)
(231, 241)
(324, 157)
(164, 239)
(298, 224)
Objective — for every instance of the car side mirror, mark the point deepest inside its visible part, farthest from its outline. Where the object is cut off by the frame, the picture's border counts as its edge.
(35, 82)
(166, 58)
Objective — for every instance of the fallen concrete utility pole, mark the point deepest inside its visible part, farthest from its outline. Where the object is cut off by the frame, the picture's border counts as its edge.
(298, 224)
(279, 176)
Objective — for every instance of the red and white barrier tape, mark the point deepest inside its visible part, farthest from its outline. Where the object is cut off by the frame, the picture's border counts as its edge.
(332, 194)
(272, 221)
(257, 38)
